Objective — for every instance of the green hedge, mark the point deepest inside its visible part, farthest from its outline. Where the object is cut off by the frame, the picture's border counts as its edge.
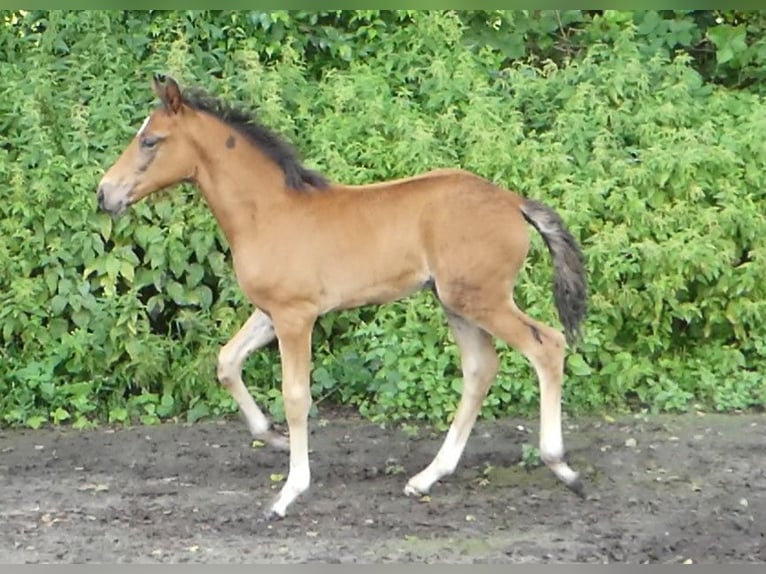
(658, 169)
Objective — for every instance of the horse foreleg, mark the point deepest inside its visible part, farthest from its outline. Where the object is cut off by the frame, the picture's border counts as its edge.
(257, 332)
(294, 334)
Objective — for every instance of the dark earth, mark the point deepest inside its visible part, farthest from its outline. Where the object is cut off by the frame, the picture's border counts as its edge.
(688, 488)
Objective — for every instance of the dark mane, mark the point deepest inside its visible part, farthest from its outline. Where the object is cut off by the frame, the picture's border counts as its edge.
(274, 146)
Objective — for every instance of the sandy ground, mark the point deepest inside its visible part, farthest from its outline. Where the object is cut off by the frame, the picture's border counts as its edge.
(660, 489)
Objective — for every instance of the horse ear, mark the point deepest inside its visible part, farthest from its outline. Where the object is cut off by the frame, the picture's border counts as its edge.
(168, 92)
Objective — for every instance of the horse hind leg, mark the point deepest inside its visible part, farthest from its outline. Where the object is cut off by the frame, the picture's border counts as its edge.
(544, 347)
(479, 364)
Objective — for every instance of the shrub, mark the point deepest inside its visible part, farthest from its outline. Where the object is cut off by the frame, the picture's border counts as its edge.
(658, 173)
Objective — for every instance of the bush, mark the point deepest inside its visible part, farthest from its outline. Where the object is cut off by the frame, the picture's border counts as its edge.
(658, 173)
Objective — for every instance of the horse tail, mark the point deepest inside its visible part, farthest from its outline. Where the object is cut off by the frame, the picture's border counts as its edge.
(570, 288)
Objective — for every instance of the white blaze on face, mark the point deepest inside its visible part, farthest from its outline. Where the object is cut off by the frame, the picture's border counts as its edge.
(143, 127)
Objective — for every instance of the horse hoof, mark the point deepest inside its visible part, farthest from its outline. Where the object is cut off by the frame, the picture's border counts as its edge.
(272, 515)
(278, 441)
(410, 490)
(577, 487)
(274, 440)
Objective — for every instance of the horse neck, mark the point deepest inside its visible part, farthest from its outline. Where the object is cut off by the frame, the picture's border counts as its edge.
(239, 183)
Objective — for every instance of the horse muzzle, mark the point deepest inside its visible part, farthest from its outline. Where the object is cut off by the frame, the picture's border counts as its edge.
(113, 199)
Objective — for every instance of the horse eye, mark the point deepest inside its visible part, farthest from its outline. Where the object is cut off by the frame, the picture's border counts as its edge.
(149, 143)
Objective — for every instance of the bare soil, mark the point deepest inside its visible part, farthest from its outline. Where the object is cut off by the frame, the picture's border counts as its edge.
(660, 489)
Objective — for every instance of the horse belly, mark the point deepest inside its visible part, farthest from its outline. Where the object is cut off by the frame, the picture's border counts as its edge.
(374, 280)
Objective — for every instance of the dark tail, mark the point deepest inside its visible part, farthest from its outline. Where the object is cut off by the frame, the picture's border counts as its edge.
(570, 284)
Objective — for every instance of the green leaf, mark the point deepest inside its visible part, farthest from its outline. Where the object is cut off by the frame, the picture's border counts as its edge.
(578, 366)
(176, 292)
(649, 23)
(730, 41)
(149, 419)
(118, 414)
(166, 406)
(52, 279)
(127, 270)
(105, 226)
(81, 318)
(112, 266)
(60, 414)
(57, 304)
(58, 327)
(194, 274)
(134, 348)
(36, 421)
(197, 412)
(204, 295)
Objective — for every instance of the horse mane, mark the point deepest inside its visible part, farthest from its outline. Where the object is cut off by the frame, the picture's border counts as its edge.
(270, 143)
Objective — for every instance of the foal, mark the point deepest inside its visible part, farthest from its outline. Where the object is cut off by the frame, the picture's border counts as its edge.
(302, 247)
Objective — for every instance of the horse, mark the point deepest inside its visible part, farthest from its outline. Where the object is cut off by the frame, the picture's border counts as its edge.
(303, 246)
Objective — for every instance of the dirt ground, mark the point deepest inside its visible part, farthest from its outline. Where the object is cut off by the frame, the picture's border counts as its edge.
(660, 489)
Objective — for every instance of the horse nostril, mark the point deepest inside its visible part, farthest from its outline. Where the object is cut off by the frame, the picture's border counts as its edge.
(100, 196)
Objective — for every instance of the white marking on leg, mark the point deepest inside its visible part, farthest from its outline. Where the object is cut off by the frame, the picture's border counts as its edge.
(479, 367)
(299, 477)
(256, 421)
(552, 445)
(443, 464)
(257, 332)
(564, 472)
(551, 439)
(295, 354)
(297, 406)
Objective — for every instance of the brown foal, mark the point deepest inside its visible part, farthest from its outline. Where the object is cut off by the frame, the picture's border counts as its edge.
(303, 246)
